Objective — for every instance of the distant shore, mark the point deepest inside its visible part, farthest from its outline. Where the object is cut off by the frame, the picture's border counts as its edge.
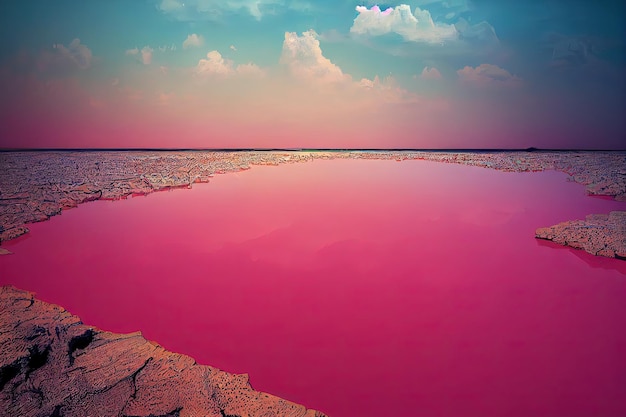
(36, 185)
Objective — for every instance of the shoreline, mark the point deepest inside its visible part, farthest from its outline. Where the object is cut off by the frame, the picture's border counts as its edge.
(55, 364)
(81, 177)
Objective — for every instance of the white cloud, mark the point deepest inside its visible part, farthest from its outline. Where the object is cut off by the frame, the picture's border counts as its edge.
(415, 27)
(192, 40)
(250, 69)
(166, 48)
(430, 73)
(303, 56)
(488, 75)
(232, 48)
(215, 64)
(133, 51)
(75, 52)
(146, 55)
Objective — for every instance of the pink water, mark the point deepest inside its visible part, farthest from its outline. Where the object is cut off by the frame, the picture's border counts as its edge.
(360, 288)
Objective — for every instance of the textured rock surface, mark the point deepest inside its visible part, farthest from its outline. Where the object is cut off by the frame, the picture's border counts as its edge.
(598, 234)
(53, 365)
(37, 185)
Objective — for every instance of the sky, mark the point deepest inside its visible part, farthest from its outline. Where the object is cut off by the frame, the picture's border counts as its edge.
(425, 74)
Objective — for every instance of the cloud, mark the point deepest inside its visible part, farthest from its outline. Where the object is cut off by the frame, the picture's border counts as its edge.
(249, 69)
(146, 55)
(133, 51)
(488, 75)
(232, 48)
(216, 65)
(169, 6)
(572, 52)
(430, 73)
(166, 48)
(415, 27)
(481, 32)
(303, 57)
(192, 40)
(387, 91)
(305, 61)
(196, 10)
(75, 52)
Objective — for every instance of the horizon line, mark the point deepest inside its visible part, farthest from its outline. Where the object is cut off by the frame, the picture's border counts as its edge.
(530, 149)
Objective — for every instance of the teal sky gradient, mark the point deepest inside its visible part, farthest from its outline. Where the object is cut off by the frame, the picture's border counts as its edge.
(297, 73)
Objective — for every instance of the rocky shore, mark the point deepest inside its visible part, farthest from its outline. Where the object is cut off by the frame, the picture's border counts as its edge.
(37, 185)
(598, 234)
(53, 365)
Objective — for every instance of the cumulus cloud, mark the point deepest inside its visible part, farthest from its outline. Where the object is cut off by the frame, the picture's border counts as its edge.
(192, 40)
(305, 61)
(193, 10)
(415, 27)
(75, 52)
(215, 64)
(146, 55)
(430, 73)
(488, 75)
(303, 57)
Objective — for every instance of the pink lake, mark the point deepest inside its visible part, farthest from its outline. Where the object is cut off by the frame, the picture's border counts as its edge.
(356, 287)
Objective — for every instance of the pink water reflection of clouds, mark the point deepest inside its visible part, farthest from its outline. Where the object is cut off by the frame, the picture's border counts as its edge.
(360, 288)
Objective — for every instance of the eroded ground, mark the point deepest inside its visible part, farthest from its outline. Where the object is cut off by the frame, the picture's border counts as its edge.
(37, 185)
(51, 364)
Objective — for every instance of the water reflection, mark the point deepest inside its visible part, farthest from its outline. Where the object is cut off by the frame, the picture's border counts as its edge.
(360, 288)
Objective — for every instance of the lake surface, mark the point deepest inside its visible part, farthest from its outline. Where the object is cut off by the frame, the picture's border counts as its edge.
(359, 288)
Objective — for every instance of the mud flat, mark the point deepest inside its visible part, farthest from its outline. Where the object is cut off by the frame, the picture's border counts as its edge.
(51, 364)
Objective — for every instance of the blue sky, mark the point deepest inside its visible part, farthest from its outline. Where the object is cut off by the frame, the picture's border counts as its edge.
(463, 73)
